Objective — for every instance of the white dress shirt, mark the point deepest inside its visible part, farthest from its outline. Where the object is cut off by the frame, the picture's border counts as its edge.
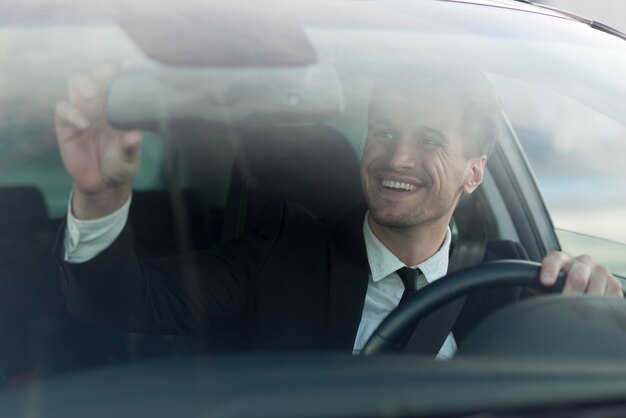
(86, 239)
(385, 287)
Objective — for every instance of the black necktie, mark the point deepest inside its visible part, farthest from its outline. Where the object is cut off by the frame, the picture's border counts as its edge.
(413, 280)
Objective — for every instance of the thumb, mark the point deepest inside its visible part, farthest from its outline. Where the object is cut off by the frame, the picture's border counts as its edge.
(130, 145)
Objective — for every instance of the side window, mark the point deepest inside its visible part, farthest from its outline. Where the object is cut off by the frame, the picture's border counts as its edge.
(577, 154)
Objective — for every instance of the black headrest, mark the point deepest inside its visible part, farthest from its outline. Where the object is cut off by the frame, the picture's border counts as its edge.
(473, 217)
(313, 165)
(23, 210)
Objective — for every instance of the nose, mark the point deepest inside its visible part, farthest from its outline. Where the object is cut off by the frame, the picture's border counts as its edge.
(403, 155)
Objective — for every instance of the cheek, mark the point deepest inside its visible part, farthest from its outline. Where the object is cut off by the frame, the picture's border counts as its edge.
(435, 166)
(373, 152)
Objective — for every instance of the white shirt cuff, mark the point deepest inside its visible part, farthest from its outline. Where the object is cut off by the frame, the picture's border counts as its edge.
(85, 239)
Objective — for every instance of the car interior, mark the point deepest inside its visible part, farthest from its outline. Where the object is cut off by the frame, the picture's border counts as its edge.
(208, 170)
(242, 104)
(312, 164)
(226, 149)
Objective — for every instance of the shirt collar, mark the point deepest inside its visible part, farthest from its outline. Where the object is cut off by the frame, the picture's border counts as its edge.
(383, 262)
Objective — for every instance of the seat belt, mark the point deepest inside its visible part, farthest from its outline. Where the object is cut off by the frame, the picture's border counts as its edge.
(466, 253)
(432, 331)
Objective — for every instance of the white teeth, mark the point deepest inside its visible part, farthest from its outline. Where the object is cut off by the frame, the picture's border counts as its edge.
(390, 184)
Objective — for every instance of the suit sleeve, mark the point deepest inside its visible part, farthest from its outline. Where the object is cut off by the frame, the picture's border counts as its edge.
(200, 292)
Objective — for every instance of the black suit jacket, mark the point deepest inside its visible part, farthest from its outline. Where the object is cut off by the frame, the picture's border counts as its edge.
(295, 283)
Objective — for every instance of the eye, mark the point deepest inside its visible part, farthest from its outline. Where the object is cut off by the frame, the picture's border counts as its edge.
(430, 142)
(384, 135)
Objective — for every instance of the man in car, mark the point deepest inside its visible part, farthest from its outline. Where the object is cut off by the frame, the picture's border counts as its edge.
(295, 283)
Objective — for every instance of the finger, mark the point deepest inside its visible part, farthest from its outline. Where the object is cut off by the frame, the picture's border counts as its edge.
(614, 287)
(103, 74)
(578, 277)
(80, 89)
(551, 264)
(131, 144)
(68, 116)
(598, 281)
(125, 146)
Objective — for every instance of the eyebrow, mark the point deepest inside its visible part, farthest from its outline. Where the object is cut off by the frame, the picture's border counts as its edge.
(425, 129)
(437, 133)
(381, 121)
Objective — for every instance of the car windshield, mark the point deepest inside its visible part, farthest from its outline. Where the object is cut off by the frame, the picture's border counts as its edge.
(242, 108)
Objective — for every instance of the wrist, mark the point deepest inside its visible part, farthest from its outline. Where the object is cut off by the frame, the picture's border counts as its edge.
(87, 206)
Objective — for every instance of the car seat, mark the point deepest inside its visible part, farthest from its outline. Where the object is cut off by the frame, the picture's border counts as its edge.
(314, 165)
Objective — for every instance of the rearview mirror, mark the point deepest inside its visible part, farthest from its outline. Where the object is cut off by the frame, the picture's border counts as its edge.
(143, 99)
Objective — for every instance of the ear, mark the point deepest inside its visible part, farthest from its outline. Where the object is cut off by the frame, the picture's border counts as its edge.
(475, 172)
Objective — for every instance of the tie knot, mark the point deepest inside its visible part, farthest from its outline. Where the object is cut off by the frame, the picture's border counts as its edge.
(411, 278)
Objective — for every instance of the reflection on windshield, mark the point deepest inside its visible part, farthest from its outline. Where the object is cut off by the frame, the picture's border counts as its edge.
(574, 136)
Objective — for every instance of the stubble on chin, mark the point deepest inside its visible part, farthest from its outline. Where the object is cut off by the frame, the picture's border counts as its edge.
(416, 217)
(394, 221)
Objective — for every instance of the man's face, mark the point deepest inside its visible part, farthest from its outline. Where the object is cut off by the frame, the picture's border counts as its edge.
(414, 169)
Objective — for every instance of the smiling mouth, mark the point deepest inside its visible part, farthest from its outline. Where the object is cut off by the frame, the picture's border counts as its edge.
(397, 185)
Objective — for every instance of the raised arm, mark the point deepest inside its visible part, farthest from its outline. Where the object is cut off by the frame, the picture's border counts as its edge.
(193, 293)
(101, 160)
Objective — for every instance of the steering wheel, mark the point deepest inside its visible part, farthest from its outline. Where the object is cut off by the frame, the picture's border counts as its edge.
(390, 336)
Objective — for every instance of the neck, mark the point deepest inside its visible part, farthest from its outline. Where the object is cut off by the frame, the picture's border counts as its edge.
(411, 245)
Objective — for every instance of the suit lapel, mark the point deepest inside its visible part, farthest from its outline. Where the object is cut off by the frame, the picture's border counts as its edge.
(349, 272)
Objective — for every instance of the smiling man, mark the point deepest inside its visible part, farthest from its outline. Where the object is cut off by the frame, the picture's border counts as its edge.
(419, 161)
(428, 141)
(296, 283)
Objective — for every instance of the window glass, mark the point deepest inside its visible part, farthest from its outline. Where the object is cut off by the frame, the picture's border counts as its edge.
(226, 130)
(577, 154)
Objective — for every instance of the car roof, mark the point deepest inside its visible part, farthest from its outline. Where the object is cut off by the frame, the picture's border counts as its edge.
(520, 5)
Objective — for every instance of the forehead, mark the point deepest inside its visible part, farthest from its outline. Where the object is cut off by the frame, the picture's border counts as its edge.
(417, 105)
